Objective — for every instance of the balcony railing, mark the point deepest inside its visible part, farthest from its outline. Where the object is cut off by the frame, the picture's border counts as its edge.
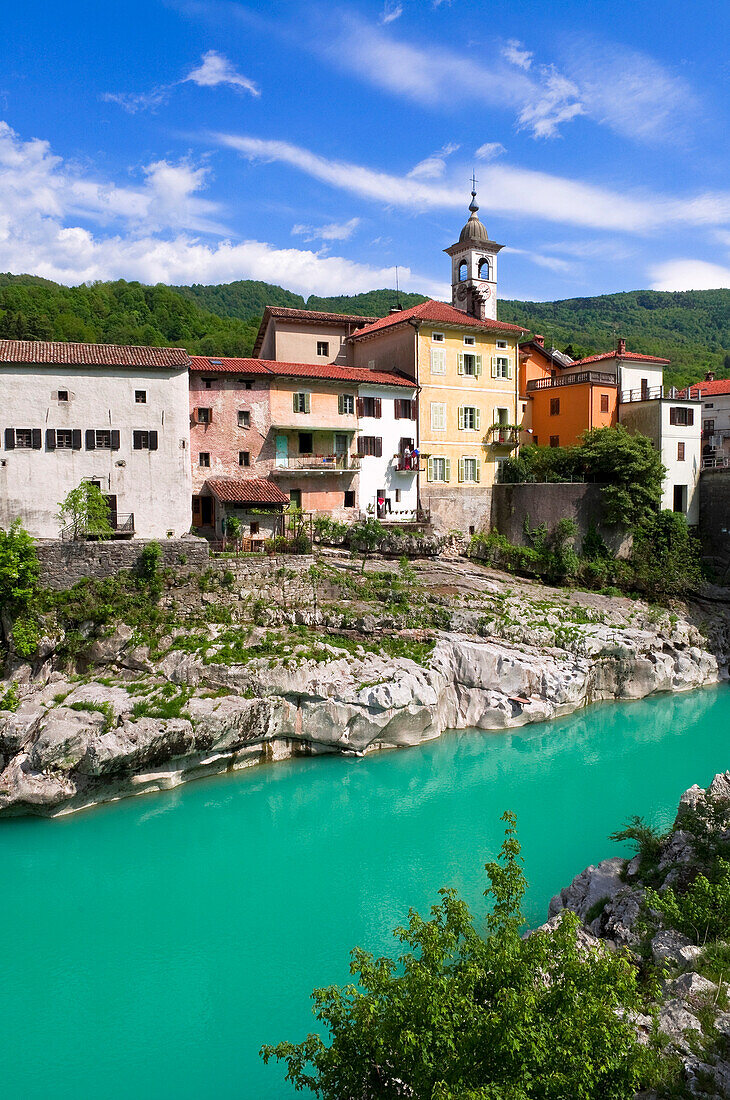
(576, 379)
(122, 527)
(712, 462)
(503, 435)
(653, 393)
(406, 463)
(318, 464)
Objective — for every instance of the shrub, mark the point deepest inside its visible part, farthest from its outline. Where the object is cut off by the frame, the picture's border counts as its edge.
(149, 561)
(666, 556)
(86, 511)
(702, 911)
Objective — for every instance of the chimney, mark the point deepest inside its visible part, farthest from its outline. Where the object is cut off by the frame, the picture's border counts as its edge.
(536, 339)
(394, 309)
(621, 349)
(710, 376)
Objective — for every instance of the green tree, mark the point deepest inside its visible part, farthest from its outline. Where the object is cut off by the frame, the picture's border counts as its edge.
(366, 537)
(86, 512)
(19, 570)
(460, 1016)
(666, 556)
(631, 470)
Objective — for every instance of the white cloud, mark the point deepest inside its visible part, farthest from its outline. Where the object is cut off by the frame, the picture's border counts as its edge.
(512, 191)
(556, 102)
(215, 69)
(335, 231)
(434, 166)
(515, 52)
(391, 12)
(689, 275)
(490, 150)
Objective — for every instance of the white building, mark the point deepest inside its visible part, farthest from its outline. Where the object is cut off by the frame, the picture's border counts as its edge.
(715, 396)
(115, 416)
(385, 442)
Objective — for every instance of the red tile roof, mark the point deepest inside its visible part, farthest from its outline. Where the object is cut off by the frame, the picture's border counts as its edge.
(707, 389)
(253, 490)
(270, 367)
(441, 313)
(91, 355)
(317, 315)
(635, 356)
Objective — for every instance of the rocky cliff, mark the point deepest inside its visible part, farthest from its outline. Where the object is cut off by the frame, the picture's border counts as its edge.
(321, 660)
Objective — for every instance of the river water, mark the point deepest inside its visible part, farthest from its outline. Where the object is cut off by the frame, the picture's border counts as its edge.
(152, 945)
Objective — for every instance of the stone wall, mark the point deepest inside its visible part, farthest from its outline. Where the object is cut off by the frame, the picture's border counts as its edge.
(63, 564)
(547, 503)
(457, 508)
(715, 519)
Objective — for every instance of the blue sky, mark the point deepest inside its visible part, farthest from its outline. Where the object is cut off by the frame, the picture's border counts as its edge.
(317, 145)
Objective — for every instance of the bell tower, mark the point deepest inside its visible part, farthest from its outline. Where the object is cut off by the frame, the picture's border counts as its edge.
(474, 267)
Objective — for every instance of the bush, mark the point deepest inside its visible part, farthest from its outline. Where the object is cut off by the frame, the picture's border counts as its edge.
(149, 561)
(702, 911)
(666, 556)
(329, 530)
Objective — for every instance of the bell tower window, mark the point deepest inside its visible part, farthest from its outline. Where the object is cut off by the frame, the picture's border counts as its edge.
(463, 271)
(484, 269)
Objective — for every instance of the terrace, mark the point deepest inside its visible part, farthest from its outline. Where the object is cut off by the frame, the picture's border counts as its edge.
(578, 378)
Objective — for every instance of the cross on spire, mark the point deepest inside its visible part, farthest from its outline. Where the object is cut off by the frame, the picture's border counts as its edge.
(474, 182)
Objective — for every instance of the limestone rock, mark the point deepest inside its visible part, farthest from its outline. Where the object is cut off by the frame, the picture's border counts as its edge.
(675, 1020)
(672, 947)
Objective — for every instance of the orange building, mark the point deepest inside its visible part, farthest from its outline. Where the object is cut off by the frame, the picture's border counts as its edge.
(560, 399)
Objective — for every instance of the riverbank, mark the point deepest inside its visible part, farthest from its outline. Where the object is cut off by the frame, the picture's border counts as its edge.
(251, 662)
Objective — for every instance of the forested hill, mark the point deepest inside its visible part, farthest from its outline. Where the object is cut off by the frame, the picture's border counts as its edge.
(692, 328)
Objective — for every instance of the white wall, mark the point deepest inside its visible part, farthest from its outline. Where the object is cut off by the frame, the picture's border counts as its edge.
(631, 376)
(686, 472)
(154, 485)
(381, 473)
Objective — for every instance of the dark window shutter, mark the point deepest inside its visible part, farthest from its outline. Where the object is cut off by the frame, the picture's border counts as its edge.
(50, 439)
(672, 416)
(115, 439)
(360, 444)
(136, 441)
(153, 441)
(378, 445)
(360, 407)
(9, 439)
(378, 408)
(90, 439)
(76, 439)
(690, 417)
(398, 407)
(37, 439)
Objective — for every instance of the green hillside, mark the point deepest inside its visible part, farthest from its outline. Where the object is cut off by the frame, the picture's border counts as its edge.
(692, 328)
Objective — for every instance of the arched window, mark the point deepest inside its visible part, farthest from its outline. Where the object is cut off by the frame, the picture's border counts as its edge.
(484, 269)
(463, 270)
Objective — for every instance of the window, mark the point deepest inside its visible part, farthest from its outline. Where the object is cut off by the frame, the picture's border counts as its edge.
(682, 417)
(370, 406)
(204, 458)
(371, 364)
(24, 438)
(554, 440)
(254, 527)
(404, 409)
(680, 452)
(438, 361)
(102, 440)
(709, 405)
(63, 395)
(555, 406)
(470, 418)
(438, 416)
(244, 418)
(470, 365)
(323, 347)
(463, 271)
(439, 469)
(346, 404)
(604, 402)
(248, 385)
(437, 337)
(501, 345)
(349, 498)
(501, 367)
(469, 341)
(708, 426)
(301, 402)
(469, 469)
(397, 496)
(484, 272)
(209, 383)
(204, 416)
(65, 439)
(144, 441)
(680, 498)
(244, 458)
(295, 498)
(140, 397)
(306, 443)
(370, 446)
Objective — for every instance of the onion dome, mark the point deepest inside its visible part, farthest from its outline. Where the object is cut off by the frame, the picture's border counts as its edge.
(474, 230)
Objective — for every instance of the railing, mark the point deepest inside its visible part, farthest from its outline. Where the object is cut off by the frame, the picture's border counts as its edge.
(406, 515)
(713, 463)
(121, 526)
(317, 463)
(404, 463)
(578, 378)
(653, 393)
(503, 435)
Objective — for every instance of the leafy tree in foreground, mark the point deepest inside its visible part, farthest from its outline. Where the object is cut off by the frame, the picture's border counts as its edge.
(86, 511)
(19, 570)
(631, 469)
(462, 1017)
(666, 556)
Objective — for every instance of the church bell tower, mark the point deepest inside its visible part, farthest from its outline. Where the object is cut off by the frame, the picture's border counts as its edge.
(474, 267)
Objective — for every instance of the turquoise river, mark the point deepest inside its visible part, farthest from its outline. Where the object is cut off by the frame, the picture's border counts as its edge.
(152, 945)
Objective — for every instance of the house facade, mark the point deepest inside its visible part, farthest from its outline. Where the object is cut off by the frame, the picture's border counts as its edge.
(715, 397)
(115, 416)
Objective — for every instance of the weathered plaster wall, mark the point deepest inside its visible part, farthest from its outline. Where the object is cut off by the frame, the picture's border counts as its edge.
(224, 438)
(457, 507)
(548, 503)
(714, 500)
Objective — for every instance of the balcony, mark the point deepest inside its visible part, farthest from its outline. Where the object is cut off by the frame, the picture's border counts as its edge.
(316, 464)
(503, 435)
(653, 393)
(579, 378)
(405, 464)
(122, 528)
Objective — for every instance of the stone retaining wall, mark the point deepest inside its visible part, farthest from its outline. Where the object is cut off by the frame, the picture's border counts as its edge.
(63, 564)
(547, 503)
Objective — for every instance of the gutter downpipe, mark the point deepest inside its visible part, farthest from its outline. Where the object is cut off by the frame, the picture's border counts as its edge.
(416, 329)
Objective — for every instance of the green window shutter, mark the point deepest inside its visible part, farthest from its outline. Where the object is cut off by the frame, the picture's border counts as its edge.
(477, 419)
(494, 366)
(447, 469)
(306, 402)
(461, 417)
(478, 366)
(509, 368)
(340, 403)
(477, 465)
(430, 469)
(461, 469)
(294, 402)
(461, 362)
